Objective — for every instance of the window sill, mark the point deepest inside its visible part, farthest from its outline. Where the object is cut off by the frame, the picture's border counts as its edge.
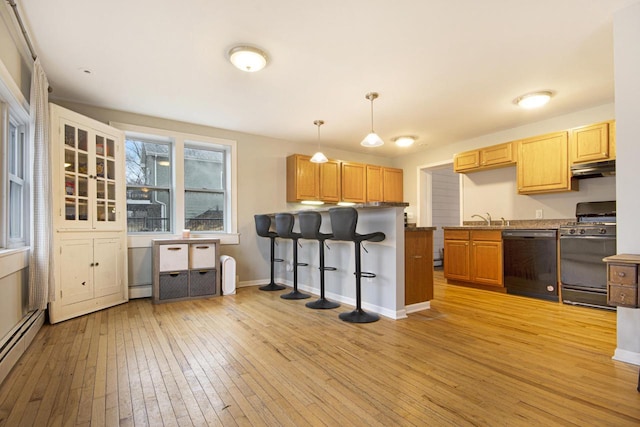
(145, 240)
(13, 260)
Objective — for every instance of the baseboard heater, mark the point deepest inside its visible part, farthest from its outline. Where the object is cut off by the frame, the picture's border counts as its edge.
(18, 340)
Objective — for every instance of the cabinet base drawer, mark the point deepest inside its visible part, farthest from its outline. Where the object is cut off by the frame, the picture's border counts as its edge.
(174, 285)
(622, 296)
(203, 282)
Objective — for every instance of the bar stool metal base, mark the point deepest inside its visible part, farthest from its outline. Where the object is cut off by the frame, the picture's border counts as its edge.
(272, 287)
(359, 316)
(295, 294)
(322, 304)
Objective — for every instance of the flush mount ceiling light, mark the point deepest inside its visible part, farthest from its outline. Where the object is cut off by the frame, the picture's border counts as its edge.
(319, 157)
(533, 100)
(372, 140)
(248, 58)
(404, 141)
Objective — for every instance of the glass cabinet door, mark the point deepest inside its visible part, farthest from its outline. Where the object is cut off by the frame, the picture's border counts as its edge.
(76, 175)
(105, 167)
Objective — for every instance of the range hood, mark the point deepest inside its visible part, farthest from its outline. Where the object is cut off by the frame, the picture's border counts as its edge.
(594, 170)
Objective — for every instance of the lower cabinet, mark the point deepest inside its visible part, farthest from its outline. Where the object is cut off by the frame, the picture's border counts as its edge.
(185, 269)
(90, 275)
(622, 280)
(418, 266)
(474, 256)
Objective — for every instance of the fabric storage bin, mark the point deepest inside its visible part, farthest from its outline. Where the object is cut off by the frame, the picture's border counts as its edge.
(203, 282)
(174, 257)
(202, 255)
(174, 285)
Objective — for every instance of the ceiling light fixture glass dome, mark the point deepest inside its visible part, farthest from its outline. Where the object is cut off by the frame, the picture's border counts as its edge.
(533, 100)
(248, 58)
(405, 141)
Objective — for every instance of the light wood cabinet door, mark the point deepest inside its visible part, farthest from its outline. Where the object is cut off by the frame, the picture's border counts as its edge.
(374, 183)
(501, 154)
(354, 181)
(303, 181)
(418, 266)
(392, 185)
(457, 260)
(486, 262)
(591, 143)
(466, 161)
(543, 165)
(330, 181)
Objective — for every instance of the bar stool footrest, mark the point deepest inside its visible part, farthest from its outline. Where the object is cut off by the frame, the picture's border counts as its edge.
(366, 274)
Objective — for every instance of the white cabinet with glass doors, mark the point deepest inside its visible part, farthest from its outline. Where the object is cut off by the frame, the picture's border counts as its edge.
(90, 240)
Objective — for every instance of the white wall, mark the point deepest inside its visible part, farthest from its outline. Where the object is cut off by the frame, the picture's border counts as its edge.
(445, 202)
(627, 72)
(495, 191)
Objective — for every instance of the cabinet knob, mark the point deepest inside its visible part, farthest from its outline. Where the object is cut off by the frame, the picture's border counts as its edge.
(621, 274)
(97, 264)
(91, 265)
(84, 283)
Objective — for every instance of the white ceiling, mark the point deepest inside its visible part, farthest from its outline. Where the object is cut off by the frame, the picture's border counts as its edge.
(446, 70)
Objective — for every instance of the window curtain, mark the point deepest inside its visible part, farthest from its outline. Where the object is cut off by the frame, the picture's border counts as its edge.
(41, 278)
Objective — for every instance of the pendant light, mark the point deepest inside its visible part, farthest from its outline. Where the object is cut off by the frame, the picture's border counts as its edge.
(319, 157)
(372, 140)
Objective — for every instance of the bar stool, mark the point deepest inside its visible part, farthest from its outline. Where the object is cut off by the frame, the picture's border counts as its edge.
(284, 227)
(263, 224)
(343, 223)
(310, 222)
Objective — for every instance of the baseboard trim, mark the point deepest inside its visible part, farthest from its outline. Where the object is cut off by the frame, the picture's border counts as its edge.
(627, 356)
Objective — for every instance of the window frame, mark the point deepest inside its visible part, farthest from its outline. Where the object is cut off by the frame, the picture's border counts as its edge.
(14, 111)
(178, 142)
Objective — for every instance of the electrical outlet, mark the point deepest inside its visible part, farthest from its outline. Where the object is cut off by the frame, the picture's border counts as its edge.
(539, 214)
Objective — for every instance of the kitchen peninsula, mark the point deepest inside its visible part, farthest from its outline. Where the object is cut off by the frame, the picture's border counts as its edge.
(384, 294)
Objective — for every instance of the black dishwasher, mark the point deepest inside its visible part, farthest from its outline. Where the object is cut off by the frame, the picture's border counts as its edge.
(531, 263)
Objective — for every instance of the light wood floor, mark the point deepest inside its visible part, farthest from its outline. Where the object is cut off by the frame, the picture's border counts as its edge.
(253, 359)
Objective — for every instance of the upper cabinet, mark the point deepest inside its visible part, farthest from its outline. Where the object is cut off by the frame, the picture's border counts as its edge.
(354, 182)
(543, 165)
(593, 143)
(87, 164)
(336, 181)
(303, 179)
(495, 156)
(384, 184)
(392, 185)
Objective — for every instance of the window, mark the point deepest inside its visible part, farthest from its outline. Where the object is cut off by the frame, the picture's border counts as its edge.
(179, 181)
(14, 190)
(148, 171)
(204, 192)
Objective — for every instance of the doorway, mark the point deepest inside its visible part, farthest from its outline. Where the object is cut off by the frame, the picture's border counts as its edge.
(439, 203)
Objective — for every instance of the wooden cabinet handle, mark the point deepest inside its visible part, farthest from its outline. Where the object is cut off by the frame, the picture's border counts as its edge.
(417, 256)
(202, 247)
(173, 249)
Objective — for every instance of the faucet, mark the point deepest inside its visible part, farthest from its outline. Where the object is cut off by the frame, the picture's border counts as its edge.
(488, 219)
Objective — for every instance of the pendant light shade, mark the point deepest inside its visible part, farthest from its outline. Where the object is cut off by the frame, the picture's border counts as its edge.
(319, 157)
(372, 140)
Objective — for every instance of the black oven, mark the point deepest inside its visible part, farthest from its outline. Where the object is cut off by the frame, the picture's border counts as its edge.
(583, 244)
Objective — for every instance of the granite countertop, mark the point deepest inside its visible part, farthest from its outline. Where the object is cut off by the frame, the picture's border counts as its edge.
(536, 224)
(413, 228)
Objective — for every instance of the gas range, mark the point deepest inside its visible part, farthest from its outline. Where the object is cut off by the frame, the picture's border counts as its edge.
(588, 229)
